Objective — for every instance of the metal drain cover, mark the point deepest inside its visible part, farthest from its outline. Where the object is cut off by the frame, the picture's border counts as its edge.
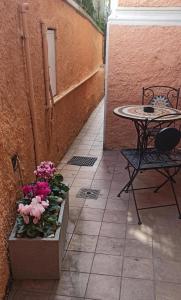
(88, 193)
(82, 161)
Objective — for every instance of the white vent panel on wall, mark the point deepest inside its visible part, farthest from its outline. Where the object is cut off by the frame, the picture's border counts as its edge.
(51, 39)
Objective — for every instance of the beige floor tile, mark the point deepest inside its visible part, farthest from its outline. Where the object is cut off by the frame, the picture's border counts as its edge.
(82, 242)
(141, 233)
(108, 245)
(166, 270)
(71, 226)
(107, 265)
(115, 216)
(113, 230)
(92, 214)
(135, 267)
(82, 183)
(68, 238)
(88, 227)
(167, 248)
(71, 284)
(96, 203)
(168, 291)
(74, 213)
(71, 167)
(119, 204)
(76, 202)
(137, 248)
(137, 289)
(103, 287)
(85, 174)
(78, 261)
(101, 183)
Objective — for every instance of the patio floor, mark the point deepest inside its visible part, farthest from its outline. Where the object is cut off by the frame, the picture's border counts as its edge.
(108, 256)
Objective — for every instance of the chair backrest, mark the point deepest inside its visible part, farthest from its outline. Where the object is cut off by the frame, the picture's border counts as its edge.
(161, 96)
(167, 139)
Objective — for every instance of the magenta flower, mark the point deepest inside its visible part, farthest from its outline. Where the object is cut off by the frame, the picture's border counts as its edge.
(28, 190)
(42, 189)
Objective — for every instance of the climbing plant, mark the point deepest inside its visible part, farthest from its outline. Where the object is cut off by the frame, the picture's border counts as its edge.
(88, 6)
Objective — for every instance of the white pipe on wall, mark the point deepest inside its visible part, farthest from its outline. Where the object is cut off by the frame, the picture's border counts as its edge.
(24, 9)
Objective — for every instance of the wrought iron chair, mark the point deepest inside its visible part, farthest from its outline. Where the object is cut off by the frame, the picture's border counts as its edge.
(160, 96)
(163, 158)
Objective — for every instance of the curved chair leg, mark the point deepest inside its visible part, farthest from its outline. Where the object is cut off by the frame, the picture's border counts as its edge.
(175, 197)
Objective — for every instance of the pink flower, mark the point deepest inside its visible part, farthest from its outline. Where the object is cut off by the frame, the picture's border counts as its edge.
(36, 207)
(45, 170)
(35, 220)
(23, 209)
(26, 219)
(45, 204)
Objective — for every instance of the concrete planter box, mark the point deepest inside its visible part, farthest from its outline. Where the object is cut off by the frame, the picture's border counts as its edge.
(39, 258)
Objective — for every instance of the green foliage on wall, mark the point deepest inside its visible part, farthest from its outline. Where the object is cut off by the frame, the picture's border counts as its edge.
(88, 6)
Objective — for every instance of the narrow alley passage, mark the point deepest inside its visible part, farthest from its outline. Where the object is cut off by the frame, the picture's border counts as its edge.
(108, 256)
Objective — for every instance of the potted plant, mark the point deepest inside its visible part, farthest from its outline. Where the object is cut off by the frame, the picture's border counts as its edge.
(36, 243)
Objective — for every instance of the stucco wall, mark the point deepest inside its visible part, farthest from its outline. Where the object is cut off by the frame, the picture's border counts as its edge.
(79, 53)
(138, 56)
(149, 3)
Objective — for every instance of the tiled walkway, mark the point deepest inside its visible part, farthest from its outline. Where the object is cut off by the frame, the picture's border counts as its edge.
(108, 256)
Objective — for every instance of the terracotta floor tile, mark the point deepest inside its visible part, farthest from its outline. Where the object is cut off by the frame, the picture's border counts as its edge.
(108, 245)
(103, 287)
(83, 243)
(71, 284)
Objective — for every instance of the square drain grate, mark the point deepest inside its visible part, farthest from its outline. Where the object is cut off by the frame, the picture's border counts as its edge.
(82, 161)
(88, 193)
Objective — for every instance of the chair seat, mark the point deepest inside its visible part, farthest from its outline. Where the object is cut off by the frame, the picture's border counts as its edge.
(151, 159)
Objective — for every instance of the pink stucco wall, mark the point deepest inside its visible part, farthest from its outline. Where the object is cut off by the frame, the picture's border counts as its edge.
(150, 3)
(138, 56)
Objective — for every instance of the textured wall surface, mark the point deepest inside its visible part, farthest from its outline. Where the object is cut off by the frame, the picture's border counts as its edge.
(79, 53)
(149, 3)
(138, 56)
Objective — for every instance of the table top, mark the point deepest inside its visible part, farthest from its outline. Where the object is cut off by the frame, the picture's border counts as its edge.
(136, 112)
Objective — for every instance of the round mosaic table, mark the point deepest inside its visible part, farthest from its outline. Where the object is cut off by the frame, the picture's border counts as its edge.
(136, 112)
(141, 119)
